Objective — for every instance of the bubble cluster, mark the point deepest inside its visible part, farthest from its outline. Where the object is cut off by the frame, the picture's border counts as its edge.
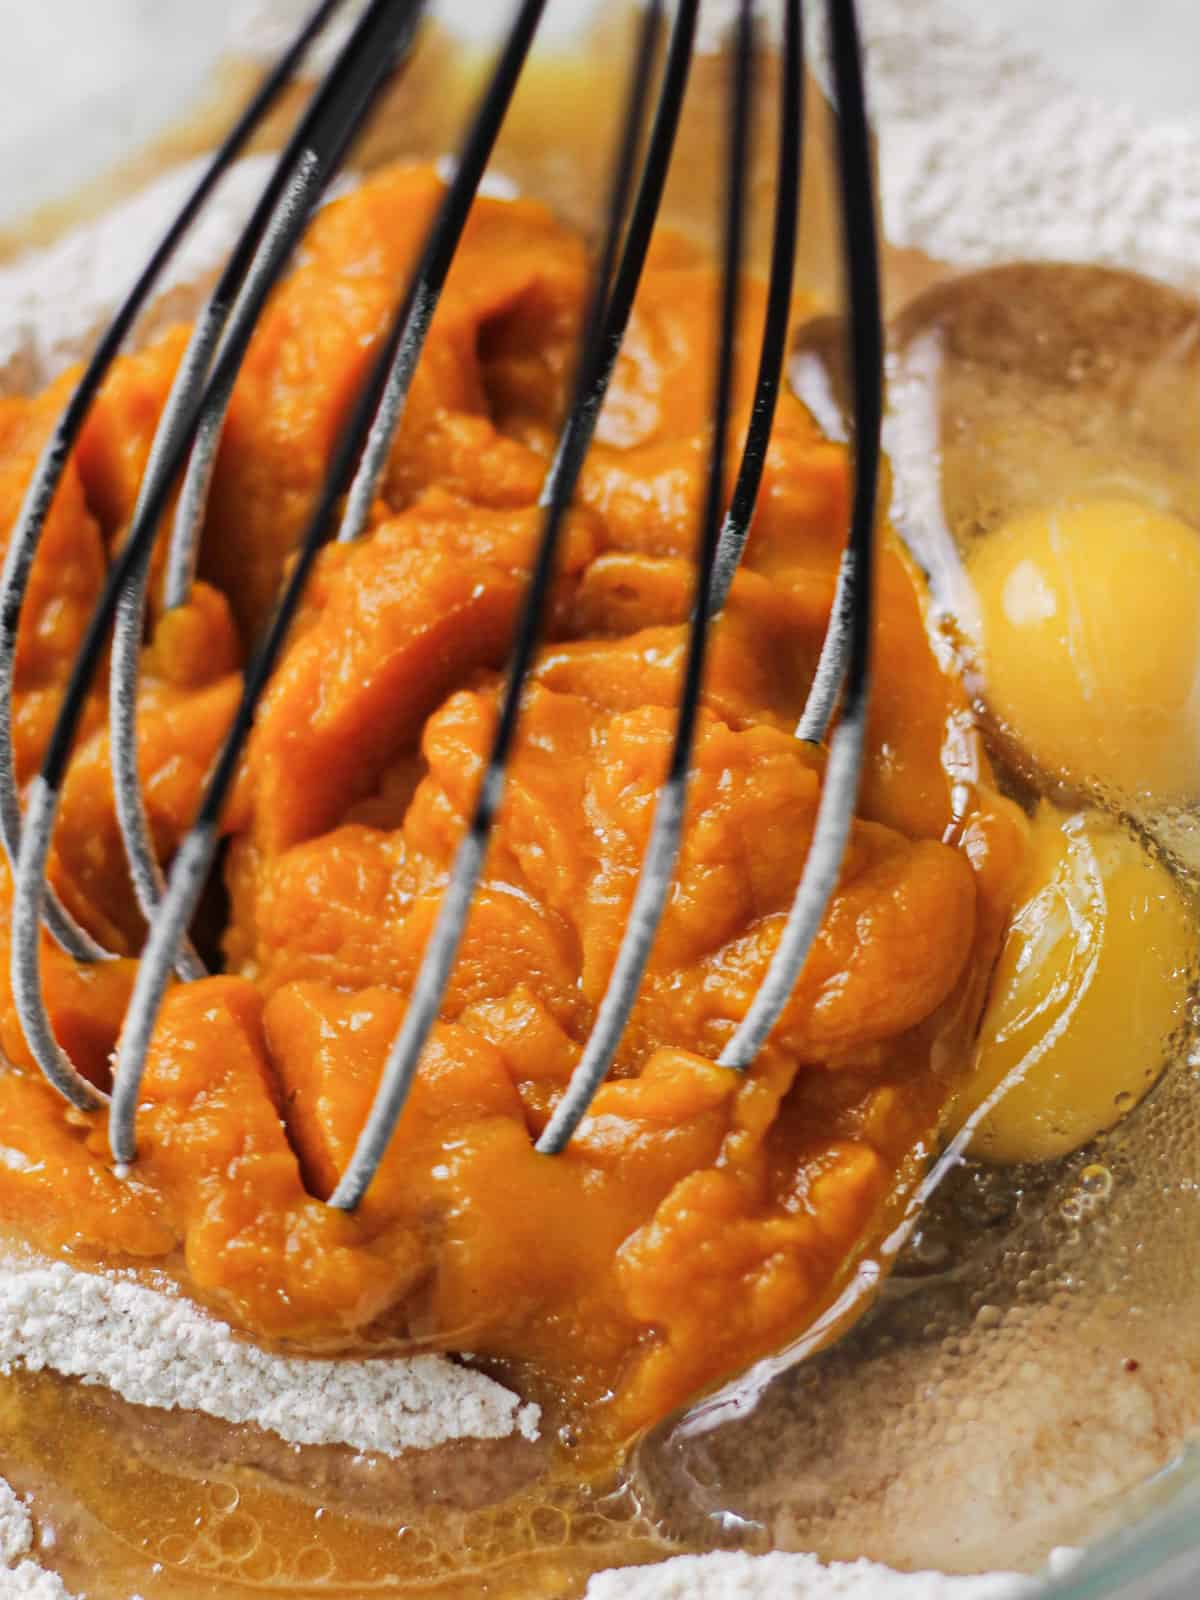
(226, 1541)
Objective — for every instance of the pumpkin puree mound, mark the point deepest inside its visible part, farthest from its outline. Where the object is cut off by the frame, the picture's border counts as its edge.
(700, 1217)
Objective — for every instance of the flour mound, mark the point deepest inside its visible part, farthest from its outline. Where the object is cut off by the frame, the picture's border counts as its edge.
(987, 154)
(21, 1578)
(154, 1348)
(796, 1577)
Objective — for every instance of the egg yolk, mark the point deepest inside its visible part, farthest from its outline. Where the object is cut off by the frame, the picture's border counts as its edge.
(1087, 621)
(1092, 980)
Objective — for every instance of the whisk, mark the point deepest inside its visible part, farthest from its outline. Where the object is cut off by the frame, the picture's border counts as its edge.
(375, 51)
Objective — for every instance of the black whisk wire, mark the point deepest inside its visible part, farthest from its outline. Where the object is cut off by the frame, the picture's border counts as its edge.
(790, 162)
(852, 643)
(189, 432)
(614, 287)
(372, 54)
(43, 486)
(130, 621)
(308, 165)
(194, 858)
(382, 412)
(666, 831)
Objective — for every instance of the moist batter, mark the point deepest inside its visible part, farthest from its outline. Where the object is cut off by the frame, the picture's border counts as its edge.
(700, 1217)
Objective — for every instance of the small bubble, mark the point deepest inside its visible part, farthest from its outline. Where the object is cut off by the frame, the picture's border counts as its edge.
(503, 1523)
(593, 1529)
(204, 1555)
(224, 1497)
(263, 1566)
(422, 1550)
(550, 1526)
(1096, 1181)
(1080, 363)
(238, 1537)
(989, 1317)
(314, 1565)
(929, 1248)
(1124, 1101)
(174, 1549)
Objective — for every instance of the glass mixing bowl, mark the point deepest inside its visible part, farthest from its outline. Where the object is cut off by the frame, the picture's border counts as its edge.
(1044, 1288)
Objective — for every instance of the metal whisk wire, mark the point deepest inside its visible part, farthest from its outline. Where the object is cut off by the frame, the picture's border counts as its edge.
(392, 370)
(43, 485)
(845, 658)
(188, 434)
(666, 830)
(605, 325)
(370, 57)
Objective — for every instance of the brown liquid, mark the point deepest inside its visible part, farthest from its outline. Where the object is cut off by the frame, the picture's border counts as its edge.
(178, 1505)
(175, 1505)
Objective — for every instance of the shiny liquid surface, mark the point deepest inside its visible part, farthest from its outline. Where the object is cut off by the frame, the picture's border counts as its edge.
(170, 1504)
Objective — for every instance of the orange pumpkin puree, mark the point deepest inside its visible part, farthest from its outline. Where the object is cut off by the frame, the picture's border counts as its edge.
(700, 1218)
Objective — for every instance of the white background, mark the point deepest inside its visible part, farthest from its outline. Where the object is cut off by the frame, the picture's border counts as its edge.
(84, 81)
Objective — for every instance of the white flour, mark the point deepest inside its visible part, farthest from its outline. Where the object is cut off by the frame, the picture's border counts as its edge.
(55, 303)
(116, 1333)
(16, 1527)
(791, 1577)
(985, 155)
(19, 1575)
